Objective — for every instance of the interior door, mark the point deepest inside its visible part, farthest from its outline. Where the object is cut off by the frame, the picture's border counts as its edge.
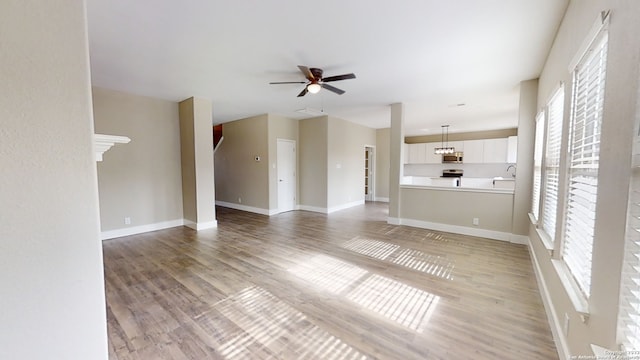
(286, 170)
(368, 174)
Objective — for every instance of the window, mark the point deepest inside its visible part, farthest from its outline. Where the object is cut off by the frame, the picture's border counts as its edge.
(537, 166)
(584, 147)
(555, 113)
(629, 317)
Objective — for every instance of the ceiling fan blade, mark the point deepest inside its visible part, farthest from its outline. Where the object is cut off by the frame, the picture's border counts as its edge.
(288, 82)
(303, 92)
(339, 77)
(307, 73)
(332, 88)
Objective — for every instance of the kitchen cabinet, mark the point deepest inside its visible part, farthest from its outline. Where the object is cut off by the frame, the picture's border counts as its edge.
(512, 149)
(495, 151)
(417, 153)
(430, 154)
(473, 151)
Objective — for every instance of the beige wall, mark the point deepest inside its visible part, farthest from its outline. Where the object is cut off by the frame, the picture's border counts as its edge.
(620, 110)
(239, 178)
(196, 144)
(382, 154)
(140, 180)
(52, 299)
(279, 127)
(312, 161)
(345, 158)
(492, 210)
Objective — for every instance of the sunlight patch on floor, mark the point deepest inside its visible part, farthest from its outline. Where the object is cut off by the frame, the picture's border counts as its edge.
(404, 304)
(271, 328)
(328, 273)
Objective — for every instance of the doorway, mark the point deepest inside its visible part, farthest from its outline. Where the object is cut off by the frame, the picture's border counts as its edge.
(286, 172)
(369, 161)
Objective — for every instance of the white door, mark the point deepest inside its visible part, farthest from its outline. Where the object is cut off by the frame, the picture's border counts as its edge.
(368, 174)
(286, 175)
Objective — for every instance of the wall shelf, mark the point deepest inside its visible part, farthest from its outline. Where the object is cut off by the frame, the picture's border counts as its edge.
(102, 143)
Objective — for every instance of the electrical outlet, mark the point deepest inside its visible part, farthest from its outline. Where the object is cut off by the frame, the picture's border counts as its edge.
(476, 221)
(127, 220)
(240, 200)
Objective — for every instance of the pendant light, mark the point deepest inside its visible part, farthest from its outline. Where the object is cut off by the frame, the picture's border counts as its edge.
(444, 149)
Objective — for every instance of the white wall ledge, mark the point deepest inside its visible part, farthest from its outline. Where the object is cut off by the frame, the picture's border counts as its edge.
(103, 142)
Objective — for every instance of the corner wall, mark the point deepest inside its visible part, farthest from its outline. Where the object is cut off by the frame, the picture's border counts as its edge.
(620, 109)
(383, 143)
(312, 161)
(241, 181)
(346, 154)
(140, 180)
(53, 302)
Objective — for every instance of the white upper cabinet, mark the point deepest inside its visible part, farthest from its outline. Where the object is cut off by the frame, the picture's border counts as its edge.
(481, 151)
(430, 155)
(473, 151)
(417, 153)
(512, 149)
(495, 151)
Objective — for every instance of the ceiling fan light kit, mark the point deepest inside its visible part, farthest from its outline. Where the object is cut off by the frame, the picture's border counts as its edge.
(314, 88)
(316, 82)
(444, 149)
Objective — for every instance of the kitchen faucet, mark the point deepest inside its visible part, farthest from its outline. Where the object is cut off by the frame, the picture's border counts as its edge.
(514, 169)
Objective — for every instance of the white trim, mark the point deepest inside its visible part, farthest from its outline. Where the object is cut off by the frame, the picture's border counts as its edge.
(578, 300)
(313, 209)
(394, 221)
(552, 317)
(200, 226)
(459, 189)
(252, 209)
(111, 234)
(381, 199)
(332, 209)
(456, 229)
(102, 143)
(345, 206)
(601, 23)
(219, 143)
(519, 239)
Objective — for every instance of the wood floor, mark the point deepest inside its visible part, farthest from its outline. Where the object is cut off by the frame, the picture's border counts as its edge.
(303, 285)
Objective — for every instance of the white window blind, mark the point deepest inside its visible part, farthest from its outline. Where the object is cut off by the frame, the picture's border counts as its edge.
(629, 317)
(586, 121)
(537, 166)
(551, 175)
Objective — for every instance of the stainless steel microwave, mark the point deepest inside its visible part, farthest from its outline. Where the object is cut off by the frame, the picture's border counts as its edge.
(454, 158)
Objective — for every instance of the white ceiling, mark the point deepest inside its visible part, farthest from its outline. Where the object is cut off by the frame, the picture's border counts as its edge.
(428, 54)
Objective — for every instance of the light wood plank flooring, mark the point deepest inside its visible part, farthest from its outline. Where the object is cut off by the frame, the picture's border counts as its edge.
(304, 285)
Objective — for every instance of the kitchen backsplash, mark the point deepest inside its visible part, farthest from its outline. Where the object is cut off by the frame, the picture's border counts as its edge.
(470, 170)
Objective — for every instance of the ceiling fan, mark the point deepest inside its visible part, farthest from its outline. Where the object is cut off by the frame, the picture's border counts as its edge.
(317, 82)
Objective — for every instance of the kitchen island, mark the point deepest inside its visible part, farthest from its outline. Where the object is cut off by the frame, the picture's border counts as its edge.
(478, 208)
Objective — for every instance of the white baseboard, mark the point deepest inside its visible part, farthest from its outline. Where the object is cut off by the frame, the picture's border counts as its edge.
(241, 207)
(314, 209)
(456, 229)
(381, 199)
(332, 209)
(111, 234)
(201, 225)
(552, 317)
(393, 221)
(346, 206)
(519, 239)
